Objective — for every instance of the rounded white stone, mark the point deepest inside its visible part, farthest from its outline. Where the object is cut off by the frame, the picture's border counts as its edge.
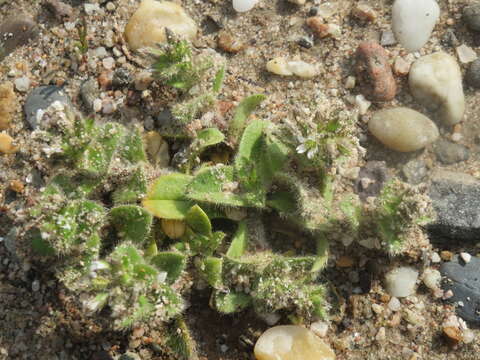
(413, 22)
(394, 304)
(243, 5)
(431, 278)
(400, 282)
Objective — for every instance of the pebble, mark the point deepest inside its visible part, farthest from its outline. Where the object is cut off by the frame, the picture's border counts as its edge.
(321, 29)
(147, 25)
(305, 42)
(448, 152)
(143, 80)
(320, 328)
(35, 285)
(370, 179)
(473, 74)
(401, 67)
(364, 12)
(453, 334)
(284, 67)
(243, 5)
(387, 38)
(415, 171)
(297, 2)
(59, 9)
(464, 284)
(121, 78)
(41, 98)
(413, 22)
(22, 84)
(403, 129)
(291, 342)
(16, 31)
(466, 257)
(362, 104)
(7, 105)
(89, 91)
(466, 54)
(468, 336)
(431, 278)
(374, 70)
(229, 43)
(129, 356)
(400, 282)
(471, 16)
(7, 144)
(394, 304)
(436, 82)
(108, 63)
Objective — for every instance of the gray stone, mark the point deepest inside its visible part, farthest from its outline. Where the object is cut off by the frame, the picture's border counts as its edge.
(388, 38)
(414, 171)
(456, 200)
(16, 31)
(473, 74)
(471, 16)
(121, 78)
(375, 172)
(448, 152)
(89, 91)
(463, 279)
(41, 98)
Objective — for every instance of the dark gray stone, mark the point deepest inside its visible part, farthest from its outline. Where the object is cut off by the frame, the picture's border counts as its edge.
(473, 74)
(448, 152)
(129, 356)
(376, 171)
(471, 16)
(89, 91)
(41, 98)
(449, 39)
(16, 31)
(463, 279)
(121, 78)
(414, 171)
(456, 200)
(305, 42)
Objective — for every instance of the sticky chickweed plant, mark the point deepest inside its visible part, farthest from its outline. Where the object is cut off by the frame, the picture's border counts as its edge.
(124, 239)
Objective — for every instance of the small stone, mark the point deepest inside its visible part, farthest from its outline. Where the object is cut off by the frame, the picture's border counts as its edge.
(243, 5)
(108, 63)
(16, 31)
(97, 105)
(147, 25)
(110, 6)
(89, 91)
(90, 9)
(401, 67)
(362, 104)
(400, 282)
(305, 42)
(143, 80)
(466, 257)
(41, 98)
(284, 67)
(449, 39)
(435, 258)
(471, 16)
(345, 261)
(297, 2)
(466, 54)
(387, 38)
(403, 129)
(394, 304)
(7, 144)
(468, 336)
(436, 82)
(371, 179)
(415, 171)
(321, 29)
(291, 342)
(7, 105)
(157, 149)
(35, 285)
(374, 70)
(446, 255)
(22, 84)
(108, 106)
(453, 334)
(431, 278)
(350, 82)
(381, 334)
(320, 328)
(105, 79)
(229, 43)
(473, 74)
(450, 153)
(100, 52)
(364, 12)
(59, 9)
(413, 22)
(121, 78)
(129, 356)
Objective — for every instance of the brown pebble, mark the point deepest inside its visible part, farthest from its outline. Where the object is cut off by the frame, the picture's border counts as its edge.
(401, 67)
(138, 332)
(364, 12)
(17, 186)
(7, 104)
(374, 72)
(446, 255)
(345, 261)
(452, 334)
(59, 9)
(318, 27)
(105, 79)
(7, 144)
(229, 43)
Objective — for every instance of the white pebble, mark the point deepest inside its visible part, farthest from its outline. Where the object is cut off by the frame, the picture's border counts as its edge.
(466, 257)
(394, 304)
(108, 63)
(97, 105)
(466, 54)
(35, 285)
(468, 336)
(431, 278)
(22, 84)
(284, 67)
(243, 5)
(413, 22)
(435, 258)
(400, 282)
(320, 328)
(100, 52)
(362, 104)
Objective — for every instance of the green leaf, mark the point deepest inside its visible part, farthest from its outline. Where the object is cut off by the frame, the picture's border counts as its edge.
(250, 147)
(239, 242)
(166, 197)
(216, 185)
(322, 253)
(212, 271)
(172, 263)
(242, 112)
(132, 190)
(284, 202)
(204, 245)
(352, 211)
(209, 137)
(198, 221)
(132, 223)
(132, 149)
(231, 302)
(179, 341)
(218, 82)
